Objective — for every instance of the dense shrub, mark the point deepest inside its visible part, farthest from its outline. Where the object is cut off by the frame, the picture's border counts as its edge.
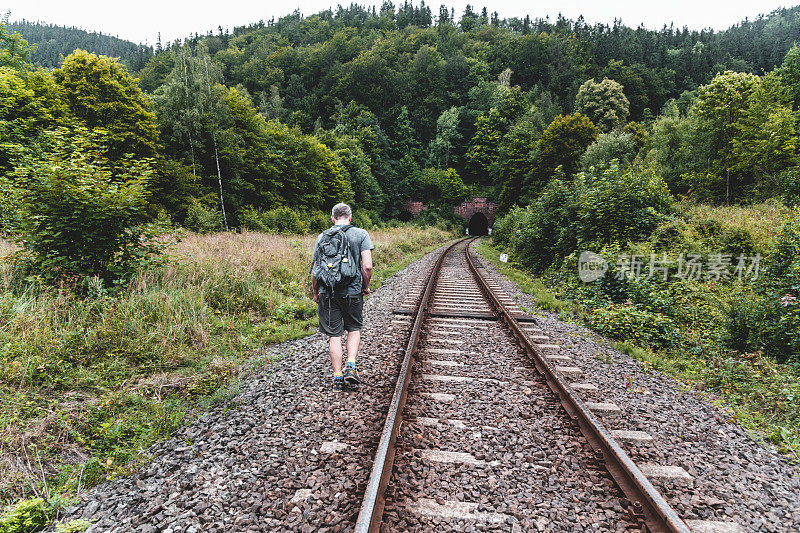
(608, 147)
(545, 230)
(361, 218)
(288, 221)
(675, 235)
(202, 219)
(770, 320)
(627, 322)
(622, 205)
(77, 214)
(318, 221)
(279, 220)
(789, 187)
(439, 186)
(736, 241)
(614, 206)
(26, 516)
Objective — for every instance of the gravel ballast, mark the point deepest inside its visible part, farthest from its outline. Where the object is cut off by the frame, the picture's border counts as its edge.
(290, 454)
(287, 454)
(485, 444)
(735, 478)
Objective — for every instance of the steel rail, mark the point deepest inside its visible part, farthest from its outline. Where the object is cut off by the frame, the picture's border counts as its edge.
(371, 513)
(648, 504)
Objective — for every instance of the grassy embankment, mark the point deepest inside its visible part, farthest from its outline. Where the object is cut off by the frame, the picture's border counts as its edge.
(759, 393)
(87, 384)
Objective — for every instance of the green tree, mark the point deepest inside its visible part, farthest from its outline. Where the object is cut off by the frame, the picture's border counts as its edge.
(563, 143)
(679, 146)
(439, 186)
(192, 113)
(644, 87)
(25, 111)
(355, 165)
(180, 103)
(719, 107)
(75, 214)
(517, 157)
(15, 52)
(404, 138)
(102, 94)
(604, 103)
(447, 136)
(484, 145)
(511, 102)
(357, 121)
(273, 165)
(608, 147)
(557, 153)
(766, 140)
(789, 73)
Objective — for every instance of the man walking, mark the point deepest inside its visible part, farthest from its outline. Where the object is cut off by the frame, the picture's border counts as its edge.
(340, 277)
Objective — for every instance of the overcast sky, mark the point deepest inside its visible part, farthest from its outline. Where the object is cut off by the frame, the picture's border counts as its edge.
(142, 20)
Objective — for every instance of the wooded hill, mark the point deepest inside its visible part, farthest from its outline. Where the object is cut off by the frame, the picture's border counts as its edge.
(376, 105)
(53, 43)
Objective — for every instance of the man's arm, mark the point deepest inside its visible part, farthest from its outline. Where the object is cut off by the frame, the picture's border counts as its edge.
(314, 287)
(366, 270)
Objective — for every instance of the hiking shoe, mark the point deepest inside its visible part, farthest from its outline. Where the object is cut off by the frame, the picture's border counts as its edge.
(350, 376)
(338, 383)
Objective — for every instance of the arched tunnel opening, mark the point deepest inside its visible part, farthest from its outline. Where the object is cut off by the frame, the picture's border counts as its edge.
(478, 224)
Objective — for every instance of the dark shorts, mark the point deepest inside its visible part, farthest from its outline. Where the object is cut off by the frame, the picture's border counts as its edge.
(338, 314)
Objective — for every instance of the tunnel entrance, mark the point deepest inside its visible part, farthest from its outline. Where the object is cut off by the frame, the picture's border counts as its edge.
(478, 224)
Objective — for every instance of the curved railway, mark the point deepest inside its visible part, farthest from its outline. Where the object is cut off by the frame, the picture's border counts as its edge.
(483, 421)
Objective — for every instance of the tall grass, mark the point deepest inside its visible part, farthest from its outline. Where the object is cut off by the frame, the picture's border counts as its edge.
(762, 221)
(86, 383)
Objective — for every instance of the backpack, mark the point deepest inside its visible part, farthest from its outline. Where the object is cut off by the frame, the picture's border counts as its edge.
(333, 264)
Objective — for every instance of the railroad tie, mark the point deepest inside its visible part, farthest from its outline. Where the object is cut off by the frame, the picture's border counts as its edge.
(586, 387)
(440, 362)
(426, 421)
(632, 437)
(444, 456)
(569, 371)
(666, 474)
(548, 348)
(455, 510)
(713, 526)
(333, 447)
(440, 396)
(603, 408)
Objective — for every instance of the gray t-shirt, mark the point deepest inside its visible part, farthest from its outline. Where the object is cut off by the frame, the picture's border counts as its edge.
(359, 242)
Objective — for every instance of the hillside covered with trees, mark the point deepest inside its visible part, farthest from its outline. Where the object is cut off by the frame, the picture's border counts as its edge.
(412, 95)
(378, 105)
(53, 43)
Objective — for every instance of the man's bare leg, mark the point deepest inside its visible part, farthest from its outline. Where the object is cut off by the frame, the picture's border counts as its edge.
(353, 340)
(335, 349)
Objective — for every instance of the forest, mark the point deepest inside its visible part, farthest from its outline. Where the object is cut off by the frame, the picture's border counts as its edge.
(54, 42)
(378, 105)
(157, 203)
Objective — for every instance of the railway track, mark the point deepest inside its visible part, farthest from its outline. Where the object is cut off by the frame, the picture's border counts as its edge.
(480, 440)
(485, 429)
